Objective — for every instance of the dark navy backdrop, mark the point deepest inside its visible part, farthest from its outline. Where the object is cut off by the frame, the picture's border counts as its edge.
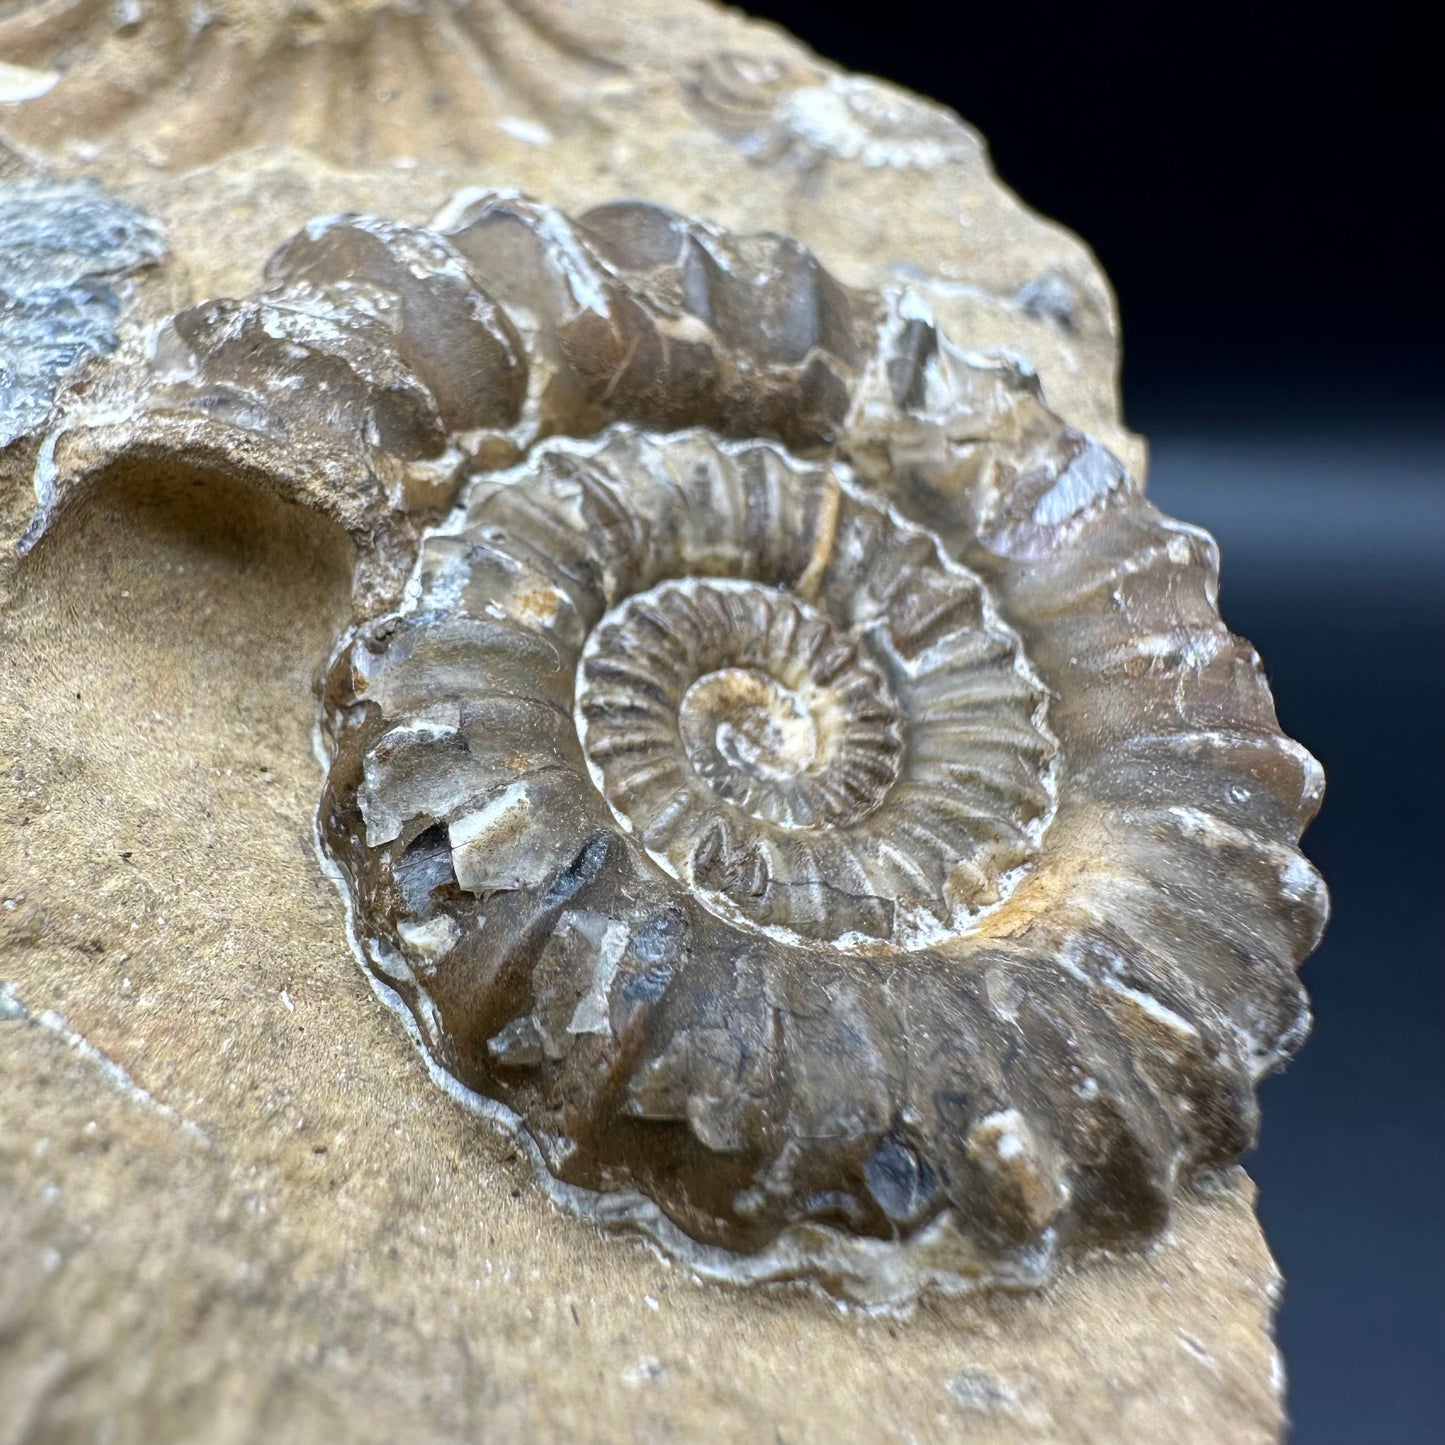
(1262, 182)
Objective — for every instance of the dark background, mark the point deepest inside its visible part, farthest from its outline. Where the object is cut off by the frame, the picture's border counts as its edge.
(1262, 185)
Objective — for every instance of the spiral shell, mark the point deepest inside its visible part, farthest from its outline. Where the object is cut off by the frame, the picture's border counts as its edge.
(803, 781)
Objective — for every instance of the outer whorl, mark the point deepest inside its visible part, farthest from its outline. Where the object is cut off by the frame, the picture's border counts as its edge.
(802, 780)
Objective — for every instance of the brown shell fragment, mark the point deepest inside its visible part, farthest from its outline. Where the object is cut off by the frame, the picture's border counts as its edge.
(802, 781)
(457, 340)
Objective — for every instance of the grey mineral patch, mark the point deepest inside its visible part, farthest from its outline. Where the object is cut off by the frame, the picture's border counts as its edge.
(976, 1389)
(12, 1010)
(65, 249)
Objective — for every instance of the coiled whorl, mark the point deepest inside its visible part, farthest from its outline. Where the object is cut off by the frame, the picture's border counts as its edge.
(803, 780)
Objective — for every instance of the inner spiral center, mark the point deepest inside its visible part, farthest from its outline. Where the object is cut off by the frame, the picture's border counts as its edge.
(708, 692)
(855, 750)
(751, 721)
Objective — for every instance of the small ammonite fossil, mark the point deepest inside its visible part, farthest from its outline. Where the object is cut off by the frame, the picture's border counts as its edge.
(802, 779)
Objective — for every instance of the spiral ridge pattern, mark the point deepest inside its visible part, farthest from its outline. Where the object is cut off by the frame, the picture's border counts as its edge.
(800, 777)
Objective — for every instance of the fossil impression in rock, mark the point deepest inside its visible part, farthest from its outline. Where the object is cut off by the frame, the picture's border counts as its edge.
(778, 762)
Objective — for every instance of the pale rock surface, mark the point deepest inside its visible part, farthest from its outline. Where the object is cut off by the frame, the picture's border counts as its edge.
(235, 1205)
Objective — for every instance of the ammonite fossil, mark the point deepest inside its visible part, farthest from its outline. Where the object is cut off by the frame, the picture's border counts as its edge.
(779, 763)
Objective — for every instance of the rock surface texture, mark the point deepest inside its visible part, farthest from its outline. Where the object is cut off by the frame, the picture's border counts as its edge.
(777, 760)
